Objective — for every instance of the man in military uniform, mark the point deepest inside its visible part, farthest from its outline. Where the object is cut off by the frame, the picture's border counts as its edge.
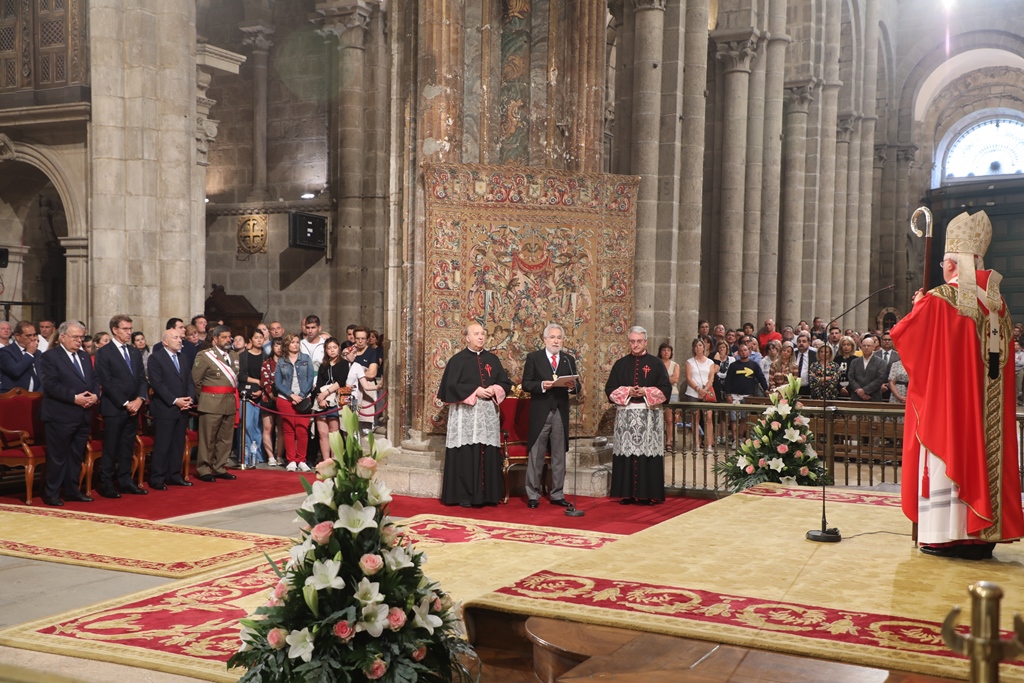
(215, 374)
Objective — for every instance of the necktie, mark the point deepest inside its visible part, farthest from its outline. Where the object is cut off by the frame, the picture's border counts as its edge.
(554, 362)
(31, 373)
(174, 357)
(78, 366)
(886, 357)
(127, 359)
(800, 366)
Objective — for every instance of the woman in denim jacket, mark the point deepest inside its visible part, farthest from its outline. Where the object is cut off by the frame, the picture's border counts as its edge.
(293, 379)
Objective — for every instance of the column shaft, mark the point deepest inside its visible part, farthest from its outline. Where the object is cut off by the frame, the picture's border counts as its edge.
(904, 163)
(753, 194)
(794, 152)
(827, 184)
(855, 232)
(868, 196)
(838, 260)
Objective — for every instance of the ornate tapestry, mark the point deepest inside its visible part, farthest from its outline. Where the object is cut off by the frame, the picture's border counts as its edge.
(515, 248)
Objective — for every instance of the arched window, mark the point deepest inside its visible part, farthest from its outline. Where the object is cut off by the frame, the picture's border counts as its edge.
(990, 148)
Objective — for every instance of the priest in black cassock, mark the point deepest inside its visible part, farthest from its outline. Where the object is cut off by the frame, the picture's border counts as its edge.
(638, 385)
(473, 384)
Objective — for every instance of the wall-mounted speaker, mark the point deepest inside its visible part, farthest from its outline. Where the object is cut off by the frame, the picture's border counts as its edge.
(307, 230)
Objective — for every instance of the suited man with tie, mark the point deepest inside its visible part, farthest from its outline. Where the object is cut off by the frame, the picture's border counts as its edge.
(188, 349)
(122, 378)
(890, 356)
(173, 395)
(867, 374)
(549, 414)
(70, 392)
(805, 355)
(20, 360)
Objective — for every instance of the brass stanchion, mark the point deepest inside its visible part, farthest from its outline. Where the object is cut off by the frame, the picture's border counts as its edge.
(983, 644)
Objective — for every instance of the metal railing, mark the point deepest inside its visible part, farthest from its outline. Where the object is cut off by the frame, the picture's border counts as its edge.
(861, 444)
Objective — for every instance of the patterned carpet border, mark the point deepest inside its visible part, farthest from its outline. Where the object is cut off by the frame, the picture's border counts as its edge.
(434, 530)
(833, 495)
(256, 545)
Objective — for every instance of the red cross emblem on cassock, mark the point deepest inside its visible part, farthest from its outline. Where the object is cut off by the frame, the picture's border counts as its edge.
(647, 369)
(488, 369)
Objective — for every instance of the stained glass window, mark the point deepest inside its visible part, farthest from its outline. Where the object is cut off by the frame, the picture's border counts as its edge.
(990, 148)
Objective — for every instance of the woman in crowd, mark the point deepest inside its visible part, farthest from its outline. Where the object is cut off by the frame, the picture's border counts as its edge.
(139, 342)
(665, 353)
(238, 344)
(823, 374)
(782, 368)
(250, 364)
(898, 383)
(721, 358)
(700, 380)
(192, 334)
(847, 352)
(269, 400)
(293, 380)
(771, 355)
(375, 341)
(329, 381)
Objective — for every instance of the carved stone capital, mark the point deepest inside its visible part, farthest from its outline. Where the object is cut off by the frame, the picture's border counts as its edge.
(846, 126)
(7, 152)
(345, 18)
(881, 155)
(643, 5)
(737, 54)
(257, 36)
(906, 154)
(617, 10)
(799, 97)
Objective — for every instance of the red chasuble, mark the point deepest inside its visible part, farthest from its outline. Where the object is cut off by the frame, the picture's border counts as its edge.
(959, 414)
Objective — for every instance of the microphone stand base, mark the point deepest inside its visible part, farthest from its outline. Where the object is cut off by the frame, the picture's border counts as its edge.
(573, 512)
(828, 536)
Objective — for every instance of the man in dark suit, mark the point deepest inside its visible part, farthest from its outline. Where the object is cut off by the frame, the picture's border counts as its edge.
(890, 356)
(20, 360)
(866, 374)
(173, 395)
(549, 414)
(69, 394)
(122, 378)
(803, 358)
(188, 349)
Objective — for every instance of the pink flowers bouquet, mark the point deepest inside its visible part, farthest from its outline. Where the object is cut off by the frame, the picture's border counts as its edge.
(353, 603)
(779, 449)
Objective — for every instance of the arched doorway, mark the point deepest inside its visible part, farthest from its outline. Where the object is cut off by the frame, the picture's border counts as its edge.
(32, 224)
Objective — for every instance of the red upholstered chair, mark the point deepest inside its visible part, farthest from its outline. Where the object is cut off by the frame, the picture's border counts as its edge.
(143, 445)
(21, 434)
(191, 441)
(93, 452)
(515, 428)
(15, 451)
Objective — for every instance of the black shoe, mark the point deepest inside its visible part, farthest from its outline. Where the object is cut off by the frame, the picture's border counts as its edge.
(55, 502)
(78, 496)
(178, 482)
(108, 492)
(644, 501)
(225, 475)
(158, 487)
(207, 478)
(532, 504)
(134, 490)
(627, 501)
(561, 501)
(958, 552)
(465, 504)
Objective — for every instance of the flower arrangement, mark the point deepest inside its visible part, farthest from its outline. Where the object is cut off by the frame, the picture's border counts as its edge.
(779, 448)
(353, 603)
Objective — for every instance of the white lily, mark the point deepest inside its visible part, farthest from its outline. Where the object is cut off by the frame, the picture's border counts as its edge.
(368, 593)
(789, 481)
(325, 575)
(374, 621)
(248, 637)
(397, 558)
(382, 448)
(742, 462)
(301, 643)
(802, 420)
(378, 493)
(792, 435)
(776, 464)
(300, 553)
(769, 411)
(784, 409)
(423, 618)
(322, 492)
(355, 518)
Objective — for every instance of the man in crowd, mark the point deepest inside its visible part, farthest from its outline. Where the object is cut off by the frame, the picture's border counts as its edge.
(173, 395)
(834, 335)
(187, 354)
(719, 334)
(742, 380)
(474, 383)
(889, 355)
(961, 482)
(199, 322)
(769, 334)
(5, 333)
(275, 332)
(215, 376)
(122, 379)
(312, 343)
(70, 392)
(867, 374)
(46, 327)
(638, 384)
(805, 355)
(349, 337)
(818, 330)
(549, 414)
(788, 335)
(20, 360)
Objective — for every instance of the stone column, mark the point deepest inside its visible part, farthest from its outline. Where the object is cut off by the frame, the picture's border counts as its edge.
(868, 196)
(76, 253)
(623, 19)
(827, 179)
(735, 51)
(855, 232)
(775, 68)
(905, 157)
(257, 36)
(882, 242)
(791, 242)
(838, 273)
(691, 172)
(878, 273)
(753, 178)
(648, 37)
(345, 24)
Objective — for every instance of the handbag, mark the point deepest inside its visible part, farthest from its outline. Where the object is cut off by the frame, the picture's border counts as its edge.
(710, 396)
(304, 407)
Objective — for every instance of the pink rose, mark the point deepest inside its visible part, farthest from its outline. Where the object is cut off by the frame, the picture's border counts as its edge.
(776, 424)
(371, 564)
(750, 469)
(281, 589)
(321, 533)
(274, 602)
(804, 471)
(782, 449)
(377, 669)
(327, 469)
(799, 405)
(760, 463)
(396, 618)
(419, 653)
(799, 454)
(344, 631)
(783, 402)
(277, 638)
(757, 443)
(388, 534)
(365, 468)
(803, 438)
(437, 605)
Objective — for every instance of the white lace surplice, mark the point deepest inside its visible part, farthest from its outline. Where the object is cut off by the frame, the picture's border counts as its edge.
(639, 430)
(478, 423)
(942, 516)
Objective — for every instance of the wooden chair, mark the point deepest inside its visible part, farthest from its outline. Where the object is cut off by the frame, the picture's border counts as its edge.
(144, 441)
(21, 434)
(93, 452)
(515, 428)
(191, 441)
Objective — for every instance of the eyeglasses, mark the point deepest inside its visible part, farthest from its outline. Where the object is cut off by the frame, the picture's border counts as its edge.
(76, 337)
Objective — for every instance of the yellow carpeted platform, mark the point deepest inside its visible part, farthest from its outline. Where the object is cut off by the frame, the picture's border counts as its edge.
(740, 571)
(125, 544)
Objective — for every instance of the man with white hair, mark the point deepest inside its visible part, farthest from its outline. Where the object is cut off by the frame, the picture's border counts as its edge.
(961, 481)
(5, 333)
(638, 384)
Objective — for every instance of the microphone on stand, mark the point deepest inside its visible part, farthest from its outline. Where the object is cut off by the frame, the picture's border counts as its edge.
(825, 534)
(573, 510)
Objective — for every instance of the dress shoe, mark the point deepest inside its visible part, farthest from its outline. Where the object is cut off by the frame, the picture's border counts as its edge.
(532, 504)
(134, 490)
(225, 475)
(55, 502)
(465, 504)
(78, 496)
(158, 487)
(561, 501)
(207, 477)
(108, 493)
(178, 482)
(627, 501)
(644, 501)
(961, 552)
